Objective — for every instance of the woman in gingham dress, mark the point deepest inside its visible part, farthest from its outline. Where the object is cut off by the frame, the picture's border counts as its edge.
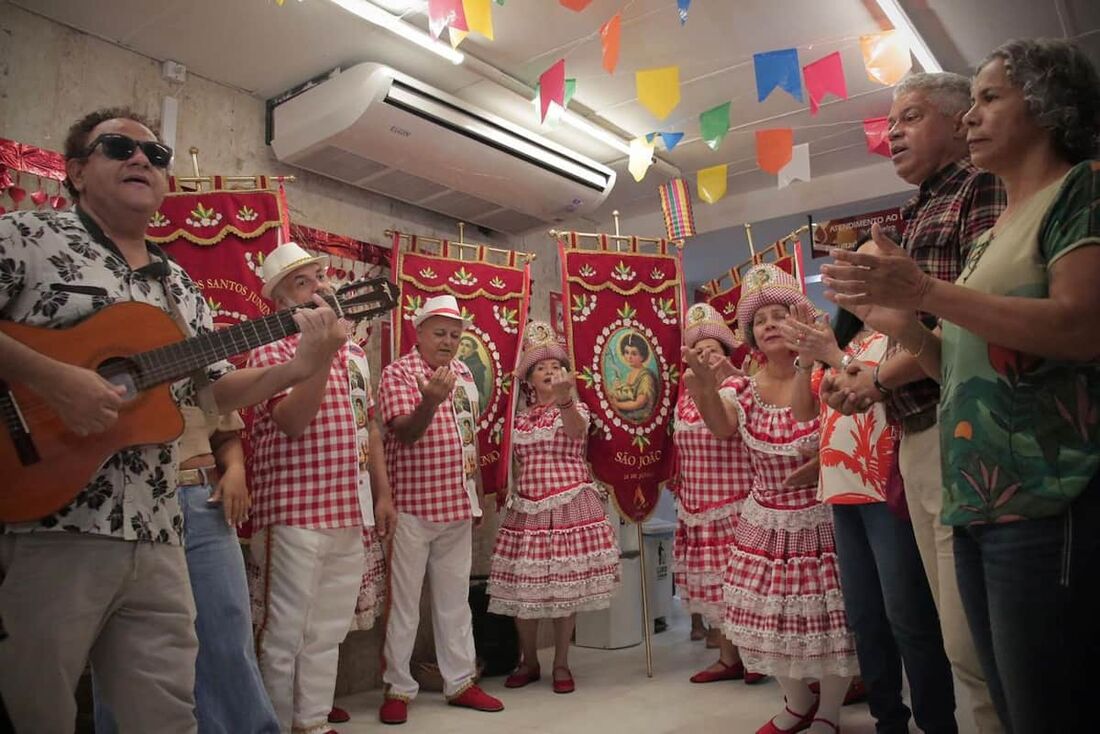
(782, 585)
(712, 479)
(555, 553)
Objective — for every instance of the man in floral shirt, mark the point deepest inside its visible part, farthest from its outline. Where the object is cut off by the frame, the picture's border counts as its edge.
(104, 578)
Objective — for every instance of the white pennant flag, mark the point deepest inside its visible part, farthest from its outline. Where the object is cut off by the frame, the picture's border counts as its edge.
(798, 167)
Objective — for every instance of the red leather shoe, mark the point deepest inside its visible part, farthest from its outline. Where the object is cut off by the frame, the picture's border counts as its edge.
(805, 721)
(728, 672)
(477, 699)
(751, 678)
(338, 715)
(519, 679)
(394, 711)
(564, 685)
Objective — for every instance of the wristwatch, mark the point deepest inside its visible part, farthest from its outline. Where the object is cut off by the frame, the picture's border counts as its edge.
(874, 378)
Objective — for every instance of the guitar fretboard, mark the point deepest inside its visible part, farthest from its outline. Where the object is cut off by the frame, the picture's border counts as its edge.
(176, 361)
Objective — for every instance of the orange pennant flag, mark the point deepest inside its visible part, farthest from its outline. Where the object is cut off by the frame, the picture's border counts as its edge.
(609, 38)
(886, 56)
(575, 5)
(659, 89)
(774, 148)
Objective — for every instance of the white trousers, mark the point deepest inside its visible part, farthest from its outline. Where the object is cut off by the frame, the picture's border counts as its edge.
(443, 550)
(312, 582)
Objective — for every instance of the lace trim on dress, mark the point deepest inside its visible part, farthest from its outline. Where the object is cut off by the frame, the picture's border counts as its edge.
(694, 519)
(798, 447)
(549, 610)
(788, 520)
(600, 561)
(533, 507)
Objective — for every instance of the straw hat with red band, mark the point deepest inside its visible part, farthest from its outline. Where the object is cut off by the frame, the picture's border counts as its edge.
(766, 285)
(539, 343)
(282, 261)
(446, 306)
(704, 322)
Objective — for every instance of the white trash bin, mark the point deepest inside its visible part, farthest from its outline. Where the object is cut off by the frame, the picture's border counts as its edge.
(657, 536)
(620, 625)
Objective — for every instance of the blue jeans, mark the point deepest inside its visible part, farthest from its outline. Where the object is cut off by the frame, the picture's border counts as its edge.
(893, 618)
(1029, 589)
(229, 694)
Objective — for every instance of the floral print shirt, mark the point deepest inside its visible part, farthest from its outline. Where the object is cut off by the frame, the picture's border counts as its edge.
(55, 270)
(1021, 434)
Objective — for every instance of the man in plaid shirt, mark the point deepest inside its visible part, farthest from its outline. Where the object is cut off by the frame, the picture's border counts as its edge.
(312, 495)
(427, 397)
(956, 203)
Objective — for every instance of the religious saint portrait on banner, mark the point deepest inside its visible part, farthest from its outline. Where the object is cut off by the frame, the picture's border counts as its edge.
(630, 375)
(474, 354)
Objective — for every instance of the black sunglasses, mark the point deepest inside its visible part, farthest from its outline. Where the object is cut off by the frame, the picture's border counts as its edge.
(120, 147)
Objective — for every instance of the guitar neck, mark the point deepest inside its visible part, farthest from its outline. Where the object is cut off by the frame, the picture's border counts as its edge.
(178, 360)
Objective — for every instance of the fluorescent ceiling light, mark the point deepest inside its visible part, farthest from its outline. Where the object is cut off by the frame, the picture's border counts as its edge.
(900, 20)
(370, 12)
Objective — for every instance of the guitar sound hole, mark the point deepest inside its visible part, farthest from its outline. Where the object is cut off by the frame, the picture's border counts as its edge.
(120, 371)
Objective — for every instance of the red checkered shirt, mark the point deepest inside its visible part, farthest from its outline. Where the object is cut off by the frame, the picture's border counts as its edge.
(953, 208)
(549, 460)
(311, 481)
(712, 472)
(427, 477)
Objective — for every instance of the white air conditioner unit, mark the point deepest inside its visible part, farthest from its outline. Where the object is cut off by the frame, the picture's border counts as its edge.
(380, 130)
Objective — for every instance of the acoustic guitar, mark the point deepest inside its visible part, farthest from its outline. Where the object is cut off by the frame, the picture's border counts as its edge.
(44, 465)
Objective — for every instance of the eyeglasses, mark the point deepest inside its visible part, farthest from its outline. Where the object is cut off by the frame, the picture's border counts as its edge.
(120, 147)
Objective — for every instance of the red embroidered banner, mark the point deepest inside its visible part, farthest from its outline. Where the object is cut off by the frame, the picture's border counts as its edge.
(27, 161)
(220, 238)
(622, 320)
(494, 297)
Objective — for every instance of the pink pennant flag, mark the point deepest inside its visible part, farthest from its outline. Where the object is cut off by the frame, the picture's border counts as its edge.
(444, 13)
(824, 76)
(877, 130)
(552, 87)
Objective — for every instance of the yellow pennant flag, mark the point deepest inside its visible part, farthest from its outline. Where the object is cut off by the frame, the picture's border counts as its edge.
(659, 89)
(711, 183)
(641, 157)
(886, 57)
(457, 36)
(479, 17)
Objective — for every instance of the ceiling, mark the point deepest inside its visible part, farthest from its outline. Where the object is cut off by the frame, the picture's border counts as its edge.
(265, 49)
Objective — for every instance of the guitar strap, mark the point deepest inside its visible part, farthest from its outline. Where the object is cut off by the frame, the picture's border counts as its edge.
(204, 388)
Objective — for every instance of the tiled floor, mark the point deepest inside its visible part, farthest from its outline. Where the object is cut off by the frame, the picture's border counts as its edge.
(613, 695)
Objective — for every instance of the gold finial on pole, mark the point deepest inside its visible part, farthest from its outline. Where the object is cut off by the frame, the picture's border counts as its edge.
(748, 236)
(462, 233)
(194, 159)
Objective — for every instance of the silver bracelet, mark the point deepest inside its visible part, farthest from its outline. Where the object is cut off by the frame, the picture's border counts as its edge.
(798, 366)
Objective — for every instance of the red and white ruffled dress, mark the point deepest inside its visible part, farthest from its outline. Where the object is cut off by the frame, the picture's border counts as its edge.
(713, 478)
(784, 610)
(555, 552)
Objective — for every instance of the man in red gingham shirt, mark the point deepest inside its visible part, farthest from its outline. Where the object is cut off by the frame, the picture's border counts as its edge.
(311, 499)
(429, 407)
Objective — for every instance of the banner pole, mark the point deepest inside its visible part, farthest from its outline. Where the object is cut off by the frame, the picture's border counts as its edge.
(647, 623)
(748, 236)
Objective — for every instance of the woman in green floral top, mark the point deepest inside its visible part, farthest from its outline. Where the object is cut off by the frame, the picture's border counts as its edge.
(1017, 355)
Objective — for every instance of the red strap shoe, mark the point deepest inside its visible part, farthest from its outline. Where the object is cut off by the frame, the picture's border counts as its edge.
(805, 721)
(338, 715)
(728, 672)
(564, 685)
(751, 678)
(475, 698)
(522, 676)
(394, 711)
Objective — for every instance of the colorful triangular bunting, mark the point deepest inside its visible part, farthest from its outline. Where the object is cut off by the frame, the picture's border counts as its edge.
(886, 57)
(774, 148)
(777, 68)
(799, 167)
(552, 87)
(711, 182)
(610, 33)
(825, 76)
(658, 89)
(714, 124)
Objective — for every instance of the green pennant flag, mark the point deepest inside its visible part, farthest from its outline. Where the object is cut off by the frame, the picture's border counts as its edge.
(714, 124)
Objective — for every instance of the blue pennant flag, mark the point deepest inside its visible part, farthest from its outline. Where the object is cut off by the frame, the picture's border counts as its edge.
(649, 137)
(671, 139)
(778, 69)
(682, 6)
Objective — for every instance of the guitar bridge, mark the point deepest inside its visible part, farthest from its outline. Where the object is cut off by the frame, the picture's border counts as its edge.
(16, 427)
